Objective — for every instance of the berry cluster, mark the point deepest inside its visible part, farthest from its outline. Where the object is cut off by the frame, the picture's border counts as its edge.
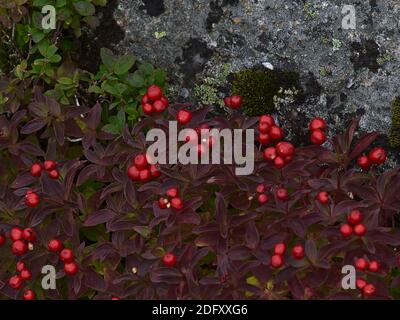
(173, 200)
(49, 165)
(376, 156)
(154, 101)
(16, 281)
(141, 170)
(354, 224)
(317, 128)
(363, 265)
(22, 240)
(261, 197)
(66, 256)
(233, 102)
(277, 259)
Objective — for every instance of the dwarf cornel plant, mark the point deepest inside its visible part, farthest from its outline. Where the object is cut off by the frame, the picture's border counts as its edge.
(117, 227)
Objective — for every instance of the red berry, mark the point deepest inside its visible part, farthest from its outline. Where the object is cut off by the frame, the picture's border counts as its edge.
(323, 197)
(285, 149)
(154, 92)
(49, 165)
(288, 159)
(280, 248)
(66, 255)
(133, 173)
(165, 102)
(162, 203)
(355, 217)
(184, 117)
(2, 239)
(115, 298)
(361, 264)
(363, 162)
(26, 274)
(155, 173)
(262, 199)
(361, 283)
(54, 174)
(145, 175)
(20, 266)
(29, 235)
(31, 199)
(177, 203)
(145, 99)
(263, 127)
(36, 170)
(19, 248)
(276, 261)
(71, 268)
(317, 124)
(16, 234)
(15, 282)
(236, 102)
(140, 162)
(279, 162)
(360, 230)
(276, 133)
(55, 245)
(227, 101)
(148, 108)
(268, 120)
(270, 154)
(172, 192)
(169, 260)
(298, 252)
(346, 230)
(318, 137)
(158, 106)
(282, 194)
(260, 188)
(369, 290)
(377, 155)
(29, 295)
(264, 138)
(373, 266)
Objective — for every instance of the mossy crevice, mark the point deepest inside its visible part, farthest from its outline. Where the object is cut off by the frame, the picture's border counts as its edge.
(260, 88)
(394, 137)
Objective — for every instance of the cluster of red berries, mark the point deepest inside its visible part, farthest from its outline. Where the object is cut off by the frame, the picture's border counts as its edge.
(376, 156)
(269, 131)
(49, 165)
(154, 101)
(22, 240)
(169, 260)
(66, 255)
(141, 170)
(362, 264)
(31, 199)
(261, 197)
(354, 224)
(233, 102)
(317, 127)
(277, 259)
(322, 197)
(16, 281)
(173, 200)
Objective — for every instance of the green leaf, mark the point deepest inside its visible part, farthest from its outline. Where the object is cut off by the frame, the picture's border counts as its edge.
(95, 89)
(108, 58)
(84, 8)
(124, 64)
(65, 80)
(22, 34)
(159, 77)
(135, 80)
(41, 3)
(37, 35)
(46, 49)
(55, 59)
(101, 3)
(61, 3)
(146, 69)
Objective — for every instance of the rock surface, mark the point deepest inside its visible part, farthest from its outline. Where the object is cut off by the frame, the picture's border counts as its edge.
(343, 72)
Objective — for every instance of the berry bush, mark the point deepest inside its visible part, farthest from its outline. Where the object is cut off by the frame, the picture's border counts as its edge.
(116, 227)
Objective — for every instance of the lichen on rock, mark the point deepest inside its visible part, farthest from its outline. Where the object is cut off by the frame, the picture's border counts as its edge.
(394, 136)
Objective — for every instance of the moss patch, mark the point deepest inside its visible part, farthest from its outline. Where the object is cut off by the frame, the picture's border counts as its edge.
(394, 137)
(258, 88)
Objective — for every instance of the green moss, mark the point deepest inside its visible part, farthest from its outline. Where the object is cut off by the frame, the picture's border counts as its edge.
(394, 137)
(258, 88)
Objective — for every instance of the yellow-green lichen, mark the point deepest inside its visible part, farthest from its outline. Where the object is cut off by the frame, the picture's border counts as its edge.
(394, 136)
(260, 89)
